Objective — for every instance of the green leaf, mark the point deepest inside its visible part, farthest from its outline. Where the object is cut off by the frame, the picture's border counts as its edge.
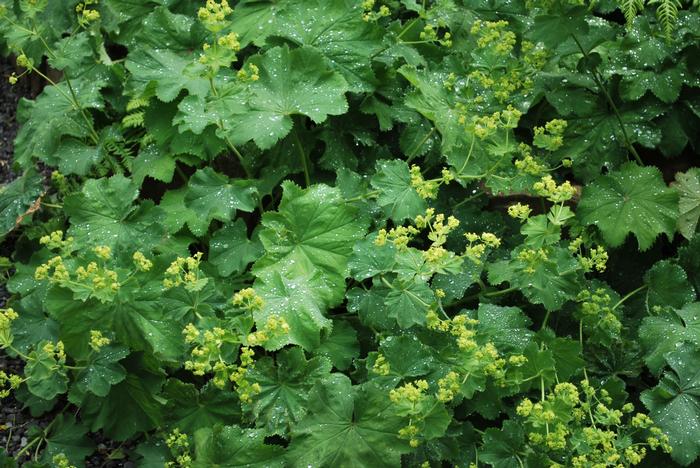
(68, 437)
(136, 317)
(102, 371)
(370, 260)
(52, 116)
(501, 447)
(397, 197)
(231, 446)
(552, 283)
(300, 301)
(663, 333)
(507, 327)
(16, 198)
(76, 157)
(688, 186)
(668, 286)
(231, 251)
(347, 427)
(634, 199)
(190, 409)
(132, 406)
(665, 84)
(176, 213)
(409, 301)
(71, 52)
(153, 162)
(674, 404)
(285, 384)
(407, 356)
(103, 214)
(214, 196)
(292, 82)
(46, 377)
(165, 57)
(335, 29)
(312, 232)
(341, 346)
(554, 29)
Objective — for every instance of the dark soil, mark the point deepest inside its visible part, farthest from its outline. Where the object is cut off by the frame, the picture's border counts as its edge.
(14, 421)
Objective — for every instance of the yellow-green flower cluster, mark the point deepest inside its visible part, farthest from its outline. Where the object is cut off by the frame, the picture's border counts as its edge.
(252, 73)
(98, 341)
(400, 236)
(213, 15)
(7, 316)
(430, 34)
(179, 445)
(8, 382)
(448, 387)
(439, 229)
(478, 244)
(185, 272)
(103, 252)
(247, 299)
(486, 125)
(493, 34)
(207, 349)
(54, 241)
(55, 351)
(55, 264)
(274, 327)
(551, 136)
(529, 165)
(534, 56)
(597, 258)
(381, 366)
(60, 460)
(246, 390)
(596, 311)
(141, 262)
(102, 281)
(532, 258)
(519, 211)
(563, 419)
(87, 15)
(549, 189)
(410, 394)
(427, 189)
(368, 11)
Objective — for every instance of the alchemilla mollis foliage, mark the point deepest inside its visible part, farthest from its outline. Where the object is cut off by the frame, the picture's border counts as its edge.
(355, 233)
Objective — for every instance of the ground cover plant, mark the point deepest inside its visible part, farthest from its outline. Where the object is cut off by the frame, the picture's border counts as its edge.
(338, 233)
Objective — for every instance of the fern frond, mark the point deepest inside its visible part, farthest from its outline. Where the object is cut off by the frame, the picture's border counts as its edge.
(137, 103)
(630, 8)
(667, 14)
(120, 149)
(133, 120)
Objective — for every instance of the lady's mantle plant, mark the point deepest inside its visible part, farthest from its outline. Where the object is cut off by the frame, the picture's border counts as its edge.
(355, 233)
